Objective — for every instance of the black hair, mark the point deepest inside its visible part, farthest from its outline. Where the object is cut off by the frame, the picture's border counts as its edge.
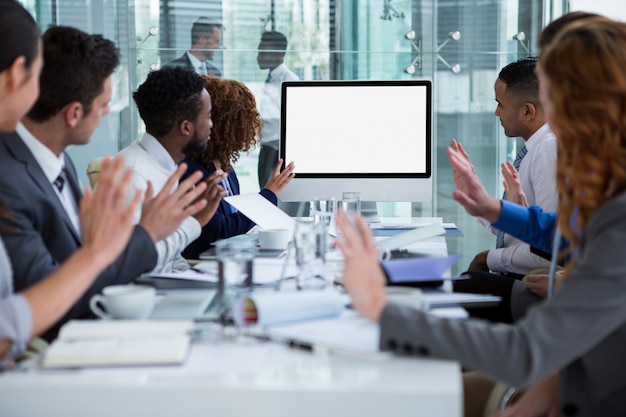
(203, 26)
(19, 34)
(276, 40)
(167, 97)
(521, 80)
(76, 64)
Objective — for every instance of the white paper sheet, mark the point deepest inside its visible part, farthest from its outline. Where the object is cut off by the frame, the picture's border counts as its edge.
(261, 211)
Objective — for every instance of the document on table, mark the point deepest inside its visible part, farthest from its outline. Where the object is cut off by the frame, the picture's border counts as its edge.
(272, 308)
(418, 269)
(347, 333)
(261, 211)
(84, 343)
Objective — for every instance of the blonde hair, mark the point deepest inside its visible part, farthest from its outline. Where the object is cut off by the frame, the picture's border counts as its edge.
(585, 65)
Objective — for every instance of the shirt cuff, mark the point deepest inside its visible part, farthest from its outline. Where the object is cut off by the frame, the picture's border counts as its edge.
(16, 324)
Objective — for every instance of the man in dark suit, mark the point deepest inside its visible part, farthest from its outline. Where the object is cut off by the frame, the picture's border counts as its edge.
(206, 37)
(38, 180)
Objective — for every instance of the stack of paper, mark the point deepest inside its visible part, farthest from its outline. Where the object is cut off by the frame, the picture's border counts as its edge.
(119, 342)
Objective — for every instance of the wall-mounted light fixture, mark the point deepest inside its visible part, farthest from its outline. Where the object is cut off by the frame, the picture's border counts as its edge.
(520, 37)
(455, 37)
(153, 31)
(417, 46)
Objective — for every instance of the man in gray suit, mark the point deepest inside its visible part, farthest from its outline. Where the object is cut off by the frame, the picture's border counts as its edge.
(39, 183)
(206, 37)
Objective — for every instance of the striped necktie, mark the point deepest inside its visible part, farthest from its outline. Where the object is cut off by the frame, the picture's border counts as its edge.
(516, 163)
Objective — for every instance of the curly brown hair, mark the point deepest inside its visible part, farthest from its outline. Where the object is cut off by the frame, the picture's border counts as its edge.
(586, 87)
(236, 123)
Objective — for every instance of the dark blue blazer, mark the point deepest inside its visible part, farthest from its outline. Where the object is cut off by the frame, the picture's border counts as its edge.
(224, 223)
(44, 236)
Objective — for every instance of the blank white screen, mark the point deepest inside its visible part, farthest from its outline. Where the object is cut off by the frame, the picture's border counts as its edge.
(358, 129)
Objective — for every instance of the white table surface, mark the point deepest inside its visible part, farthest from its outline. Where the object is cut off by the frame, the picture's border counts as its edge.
(247, 377)
(237, 379)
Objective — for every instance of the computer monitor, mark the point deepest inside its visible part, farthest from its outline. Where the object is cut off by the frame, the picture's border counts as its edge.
(373, 137)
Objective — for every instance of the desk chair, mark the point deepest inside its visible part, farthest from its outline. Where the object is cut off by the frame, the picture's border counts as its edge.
(93, 169)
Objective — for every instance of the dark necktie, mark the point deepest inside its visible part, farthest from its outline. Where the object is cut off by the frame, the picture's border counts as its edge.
(516, 163)
(60, 182)
(269, 78)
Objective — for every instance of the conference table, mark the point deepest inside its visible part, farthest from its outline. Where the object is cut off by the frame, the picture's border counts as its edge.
(232, 374)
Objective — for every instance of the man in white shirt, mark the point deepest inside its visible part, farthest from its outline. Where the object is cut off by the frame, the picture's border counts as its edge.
(206, 38)
(521, 115)
(176, 109)
(271, 56)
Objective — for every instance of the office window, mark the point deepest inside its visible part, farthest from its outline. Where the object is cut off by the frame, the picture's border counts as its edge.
(460, 45)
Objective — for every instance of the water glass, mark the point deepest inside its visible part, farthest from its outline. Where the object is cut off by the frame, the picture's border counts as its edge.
(351, 201)
(323, 210)
(310, 241)
(234, 261)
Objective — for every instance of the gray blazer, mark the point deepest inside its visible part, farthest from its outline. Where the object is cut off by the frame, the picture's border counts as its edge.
(45, 237)
(581, 331)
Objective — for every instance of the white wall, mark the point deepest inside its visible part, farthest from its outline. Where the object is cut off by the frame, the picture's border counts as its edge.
(610, 8)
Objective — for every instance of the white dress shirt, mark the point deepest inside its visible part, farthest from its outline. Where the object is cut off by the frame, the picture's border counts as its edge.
(198, 65)
(51, 165)
(150, 161)
(268, 103)
(537, 173)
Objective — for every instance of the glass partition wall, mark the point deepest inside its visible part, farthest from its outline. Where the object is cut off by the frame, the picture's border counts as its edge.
(460, 45)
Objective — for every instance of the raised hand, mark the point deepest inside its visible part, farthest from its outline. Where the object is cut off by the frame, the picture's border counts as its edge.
(512, 185)
(279, 180)
(212, 195)
(363, 277)
(106, 221)
(163, 214)
(458, 180)
(472, 195)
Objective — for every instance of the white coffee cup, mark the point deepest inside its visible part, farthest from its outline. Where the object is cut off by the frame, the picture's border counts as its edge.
(274, 238)
(124, 302)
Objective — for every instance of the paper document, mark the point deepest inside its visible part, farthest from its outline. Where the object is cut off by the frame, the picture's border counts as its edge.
(271, 308)
(119, 342)
(411, 236)
(261, 211)
(347, 333)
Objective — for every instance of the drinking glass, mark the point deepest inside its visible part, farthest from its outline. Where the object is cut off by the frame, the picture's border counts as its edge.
(309, 241)
(351, 201)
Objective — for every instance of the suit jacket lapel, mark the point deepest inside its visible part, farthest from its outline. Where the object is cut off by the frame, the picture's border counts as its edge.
(72, 178)
(21, 153)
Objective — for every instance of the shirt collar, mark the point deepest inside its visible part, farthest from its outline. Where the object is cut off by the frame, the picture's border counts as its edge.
(541, 132)
(195, 62)
(279, 69)
(154, 148)
(50, 164)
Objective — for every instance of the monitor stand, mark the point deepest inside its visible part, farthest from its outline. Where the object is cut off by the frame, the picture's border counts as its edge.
(369, 211)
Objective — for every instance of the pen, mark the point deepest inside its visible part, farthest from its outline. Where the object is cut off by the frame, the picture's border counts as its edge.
(290, 343)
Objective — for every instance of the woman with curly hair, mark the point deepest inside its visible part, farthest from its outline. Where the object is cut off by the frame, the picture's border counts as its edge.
(580, 332)
(236, 128)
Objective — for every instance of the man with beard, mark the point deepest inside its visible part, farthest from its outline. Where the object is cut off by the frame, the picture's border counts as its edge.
(176, 109)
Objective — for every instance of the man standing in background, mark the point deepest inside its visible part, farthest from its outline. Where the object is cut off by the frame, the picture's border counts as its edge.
(271, 56)
(206, 37)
